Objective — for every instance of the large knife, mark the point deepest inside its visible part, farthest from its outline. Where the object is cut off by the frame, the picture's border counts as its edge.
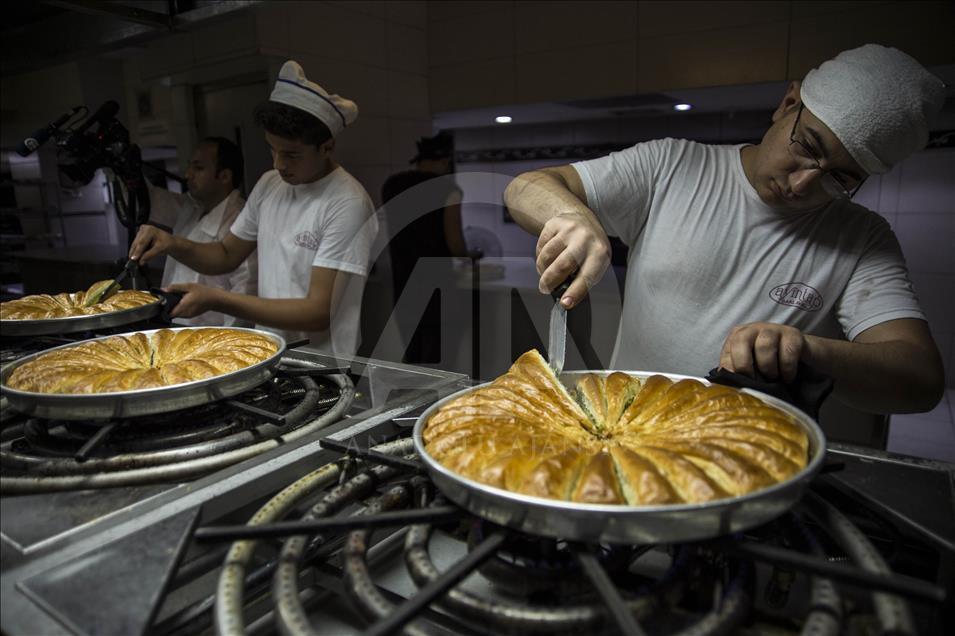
(557, 341)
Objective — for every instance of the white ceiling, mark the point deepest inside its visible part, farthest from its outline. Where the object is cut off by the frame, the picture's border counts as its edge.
(751, 97)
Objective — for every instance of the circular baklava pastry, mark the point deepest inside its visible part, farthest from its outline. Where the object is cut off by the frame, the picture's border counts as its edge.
(46, 307)
(142, 361)
(615, 439)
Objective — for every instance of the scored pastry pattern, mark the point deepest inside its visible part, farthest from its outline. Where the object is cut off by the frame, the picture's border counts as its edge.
(140, 361)
(617, 439)
(45, 306)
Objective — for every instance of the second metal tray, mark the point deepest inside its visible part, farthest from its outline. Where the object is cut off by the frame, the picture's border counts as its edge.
(145, 401)
(74, 324)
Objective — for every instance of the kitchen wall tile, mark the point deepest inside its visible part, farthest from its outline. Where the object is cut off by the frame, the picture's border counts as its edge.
(363, 84)
(549, 25)
(948, 359)
(945, 340)
(372, 177)
(413, 13)
(440, 12)
(868, 195)
(600, 131)
(226, 38)
(403, 135)
(823, 7)
(408, 96)
(921, 29)
(511, 136)
(377, 8)
(472, 84)
(365, 142)
(329, 30)
(576, 73)
(472, 139)
(167, 55)
(668, 17)
(272, 26)
(889, 193)
(927, 183)
(480, 36)
(407, 49)
(744, 125)
(927, 241)
(936, 294)
(738, 55)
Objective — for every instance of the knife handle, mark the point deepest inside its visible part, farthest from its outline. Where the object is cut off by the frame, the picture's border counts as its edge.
(558, 292)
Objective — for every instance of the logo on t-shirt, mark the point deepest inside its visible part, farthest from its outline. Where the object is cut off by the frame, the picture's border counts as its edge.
(798, 295)
(307, 239)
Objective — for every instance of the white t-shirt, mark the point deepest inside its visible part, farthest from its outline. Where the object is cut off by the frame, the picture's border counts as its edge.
(184, 215)
(329, 223)
(707, 254)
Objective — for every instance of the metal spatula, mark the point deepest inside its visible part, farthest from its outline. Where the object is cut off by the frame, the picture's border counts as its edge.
(557, 341)
(100, 295)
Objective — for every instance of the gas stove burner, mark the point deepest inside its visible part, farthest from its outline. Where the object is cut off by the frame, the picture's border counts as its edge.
(39, 455)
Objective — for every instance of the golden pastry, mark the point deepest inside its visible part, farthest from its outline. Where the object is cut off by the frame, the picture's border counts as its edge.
(45, 307)
(615, 439)
(137, 361)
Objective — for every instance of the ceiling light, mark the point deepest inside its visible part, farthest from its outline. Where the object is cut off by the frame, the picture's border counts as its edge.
(503, 119)
(682, 107)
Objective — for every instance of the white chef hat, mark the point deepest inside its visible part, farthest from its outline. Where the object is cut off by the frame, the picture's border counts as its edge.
(877, 100)
(294, 89)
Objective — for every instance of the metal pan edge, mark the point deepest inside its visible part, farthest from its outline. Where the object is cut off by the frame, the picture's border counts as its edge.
(144, 401)
(621, 523)
(73, 324)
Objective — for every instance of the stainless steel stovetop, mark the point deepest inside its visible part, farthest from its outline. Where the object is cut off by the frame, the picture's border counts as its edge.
(61, 550)
(126, 560)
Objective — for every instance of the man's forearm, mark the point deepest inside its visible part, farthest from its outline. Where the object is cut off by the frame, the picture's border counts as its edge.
(294, 314)
(536, 197)
(879, 377)
(206, 258)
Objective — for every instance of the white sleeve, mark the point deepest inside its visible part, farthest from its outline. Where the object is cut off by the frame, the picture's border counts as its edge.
(246, 225)
(619, 186)
(879, 288)
(347, 233)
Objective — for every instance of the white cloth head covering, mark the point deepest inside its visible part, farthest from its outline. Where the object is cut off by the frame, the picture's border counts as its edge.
(877, 100)
(294, 89)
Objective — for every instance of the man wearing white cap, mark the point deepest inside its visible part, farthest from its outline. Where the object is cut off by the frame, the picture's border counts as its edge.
(753, 256)
(313, 223)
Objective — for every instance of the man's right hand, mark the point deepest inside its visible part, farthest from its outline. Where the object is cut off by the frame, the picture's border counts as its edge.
(150, 241)
(571, 243)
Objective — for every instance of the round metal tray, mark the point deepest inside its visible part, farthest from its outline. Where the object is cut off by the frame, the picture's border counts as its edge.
(73, 324)
(623, 523)
(145, 401)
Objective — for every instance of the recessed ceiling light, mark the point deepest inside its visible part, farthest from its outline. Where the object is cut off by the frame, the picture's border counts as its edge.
(682, 107)
(503, 119)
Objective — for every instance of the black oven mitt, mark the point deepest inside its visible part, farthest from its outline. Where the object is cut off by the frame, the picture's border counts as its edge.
(806, 392)
(169, 302)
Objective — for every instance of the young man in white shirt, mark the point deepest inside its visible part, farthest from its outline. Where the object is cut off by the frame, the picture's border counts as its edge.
(313, 224)
(753, 256)
(204, 214)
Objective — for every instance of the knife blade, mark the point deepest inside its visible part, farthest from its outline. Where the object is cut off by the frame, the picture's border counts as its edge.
(557, 340)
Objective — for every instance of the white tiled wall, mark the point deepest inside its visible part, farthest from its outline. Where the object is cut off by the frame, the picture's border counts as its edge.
(917, 197)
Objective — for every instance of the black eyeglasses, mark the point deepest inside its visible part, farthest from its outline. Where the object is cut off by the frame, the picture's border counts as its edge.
(832, 183)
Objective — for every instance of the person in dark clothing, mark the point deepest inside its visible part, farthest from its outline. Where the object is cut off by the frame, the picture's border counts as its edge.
(427, 222)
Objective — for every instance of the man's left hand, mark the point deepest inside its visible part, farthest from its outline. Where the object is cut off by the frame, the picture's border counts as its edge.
(196, 299)
(772, 348)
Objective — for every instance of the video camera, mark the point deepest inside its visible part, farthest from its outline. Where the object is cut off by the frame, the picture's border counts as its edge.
(84, 149)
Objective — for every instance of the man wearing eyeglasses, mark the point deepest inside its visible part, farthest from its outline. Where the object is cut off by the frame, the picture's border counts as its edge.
(754, 257)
